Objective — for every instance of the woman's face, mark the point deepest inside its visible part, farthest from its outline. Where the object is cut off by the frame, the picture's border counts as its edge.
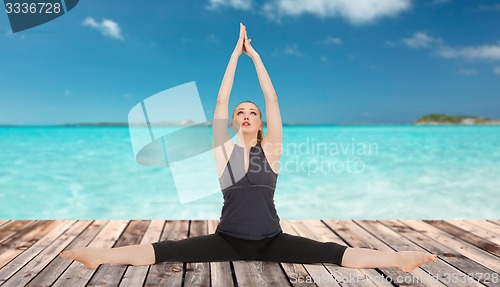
(247, 116)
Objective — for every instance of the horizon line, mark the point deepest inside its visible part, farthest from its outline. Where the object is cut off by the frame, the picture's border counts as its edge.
(119, 124)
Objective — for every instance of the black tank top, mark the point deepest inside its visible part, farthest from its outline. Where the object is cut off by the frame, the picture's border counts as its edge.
(248, 211)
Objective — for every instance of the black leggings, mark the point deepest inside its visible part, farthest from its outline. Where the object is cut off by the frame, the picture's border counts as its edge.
(219, 247)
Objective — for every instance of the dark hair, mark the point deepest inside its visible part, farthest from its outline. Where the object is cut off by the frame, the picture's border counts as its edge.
(259, 133)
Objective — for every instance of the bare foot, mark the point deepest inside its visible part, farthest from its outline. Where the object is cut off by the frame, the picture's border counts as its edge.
(90, 257)
(409, 260)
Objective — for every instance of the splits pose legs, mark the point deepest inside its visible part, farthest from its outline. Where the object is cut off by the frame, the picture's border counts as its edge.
(216, 247)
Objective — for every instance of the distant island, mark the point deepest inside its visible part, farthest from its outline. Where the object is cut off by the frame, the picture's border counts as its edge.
(443, 119)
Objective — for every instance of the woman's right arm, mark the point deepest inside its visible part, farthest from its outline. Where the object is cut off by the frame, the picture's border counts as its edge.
(222, 143)
(221, 110)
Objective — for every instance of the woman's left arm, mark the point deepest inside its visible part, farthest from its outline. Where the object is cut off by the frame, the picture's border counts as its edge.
(273, 116)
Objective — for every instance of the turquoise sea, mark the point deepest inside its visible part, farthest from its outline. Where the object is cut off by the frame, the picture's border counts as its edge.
(326, 172)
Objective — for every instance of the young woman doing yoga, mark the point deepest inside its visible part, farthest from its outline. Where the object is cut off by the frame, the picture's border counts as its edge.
(249, 226)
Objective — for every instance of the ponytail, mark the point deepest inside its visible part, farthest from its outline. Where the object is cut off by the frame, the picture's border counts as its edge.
(259, 136)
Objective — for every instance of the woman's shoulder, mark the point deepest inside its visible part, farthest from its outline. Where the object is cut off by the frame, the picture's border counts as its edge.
(272, 153)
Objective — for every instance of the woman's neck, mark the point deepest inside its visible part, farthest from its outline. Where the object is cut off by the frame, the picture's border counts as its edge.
(248, 141)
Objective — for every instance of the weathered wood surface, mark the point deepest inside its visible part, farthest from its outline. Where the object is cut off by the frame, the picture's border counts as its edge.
(468, 251)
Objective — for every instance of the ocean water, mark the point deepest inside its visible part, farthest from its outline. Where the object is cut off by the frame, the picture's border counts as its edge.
(326, 172)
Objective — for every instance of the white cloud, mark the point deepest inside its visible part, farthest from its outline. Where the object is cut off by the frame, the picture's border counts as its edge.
(291, 50)
(107, 27)
(332, 41)
(468, 72)
(439, 2)
(236, 4)
(356, 12)
(420, 40)
(485, 52)
(9, 33)
(493, 7)
(212, 39)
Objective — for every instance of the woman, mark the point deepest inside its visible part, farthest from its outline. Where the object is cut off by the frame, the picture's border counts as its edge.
(249, 226)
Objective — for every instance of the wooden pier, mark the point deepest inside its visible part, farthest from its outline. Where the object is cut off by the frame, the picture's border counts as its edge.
(468, 251)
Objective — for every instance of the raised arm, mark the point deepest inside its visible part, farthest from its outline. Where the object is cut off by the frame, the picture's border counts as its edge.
(273, 116)
(222, 143)
(219, 128)
(221, 110)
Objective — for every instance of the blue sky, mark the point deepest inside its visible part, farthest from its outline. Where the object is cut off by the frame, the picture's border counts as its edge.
(337, 61)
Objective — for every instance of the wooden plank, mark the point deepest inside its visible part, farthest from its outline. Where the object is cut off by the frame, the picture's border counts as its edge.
(297, 274)
(77, 274)
(197, 273)
(169, 273)
(220, 272)
(497, 222)
(259, 273)
(476, 230)
(45, 244)
(466, 236)
(25, 238)
(347, 276)
(57, 266)
(317, 230)
(463, 264)
(16, 264)
(492, 227)
(451, 264)
(51, 244)
(357, 236)
(136, 275)
(111, 274)
(3, 222)
(10, 228)
(318, 273)
(468, 250)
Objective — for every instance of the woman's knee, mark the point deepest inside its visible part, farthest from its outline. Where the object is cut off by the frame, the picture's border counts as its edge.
(342, 255)
(143, 255)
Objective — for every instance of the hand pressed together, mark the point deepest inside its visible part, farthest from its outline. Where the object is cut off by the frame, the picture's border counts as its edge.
(243, 45)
